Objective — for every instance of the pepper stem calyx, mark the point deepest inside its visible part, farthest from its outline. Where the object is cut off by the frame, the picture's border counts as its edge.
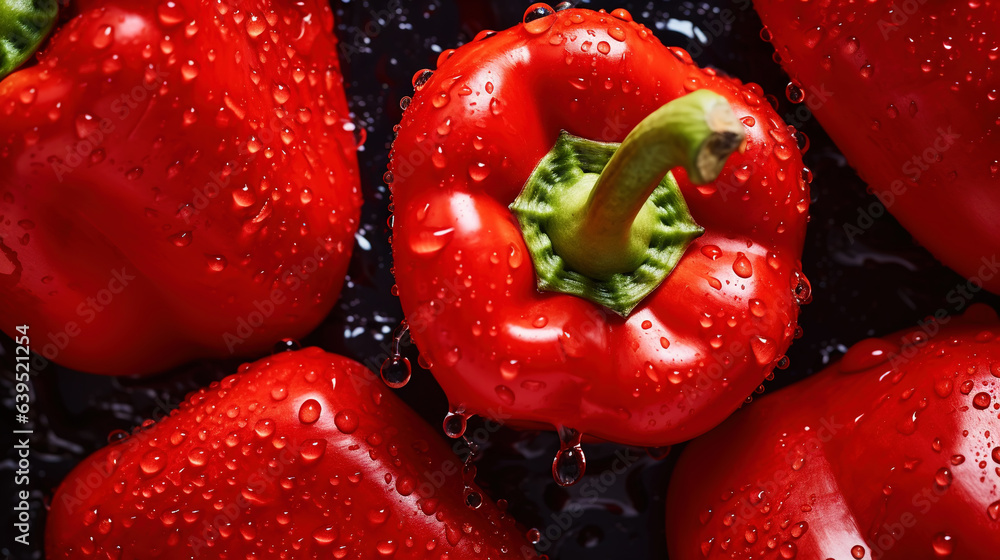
(24, 24)
(608, 222)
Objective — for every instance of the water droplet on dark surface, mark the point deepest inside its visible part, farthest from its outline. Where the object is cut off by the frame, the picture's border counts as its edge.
(286, 345)
(454, 425)
(569, 464)
(395, 372)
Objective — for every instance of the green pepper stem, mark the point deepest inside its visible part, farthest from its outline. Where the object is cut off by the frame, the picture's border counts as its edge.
(605, 229)
(24, 24)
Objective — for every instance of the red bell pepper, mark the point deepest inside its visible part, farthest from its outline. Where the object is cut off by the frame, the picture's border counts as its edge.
(176, 181)
(909, 92)
(667, 298)
(893, 453)
(301, 455)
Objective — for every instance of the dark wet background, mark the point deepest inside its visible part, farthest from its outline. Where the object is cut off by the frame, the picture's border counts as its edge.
(880, 283)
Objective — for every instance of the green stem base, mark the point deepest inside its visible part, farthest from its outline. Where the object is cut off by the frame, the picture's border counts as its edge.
(24, 24)
(574, 165)
(607, 222)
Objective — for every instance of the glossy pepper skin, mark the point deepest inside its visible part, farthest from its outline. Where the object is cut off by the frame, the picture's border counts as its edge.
(892, 453)
(300, 455)
(908, 91)
(691, 351)
(177, 182)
